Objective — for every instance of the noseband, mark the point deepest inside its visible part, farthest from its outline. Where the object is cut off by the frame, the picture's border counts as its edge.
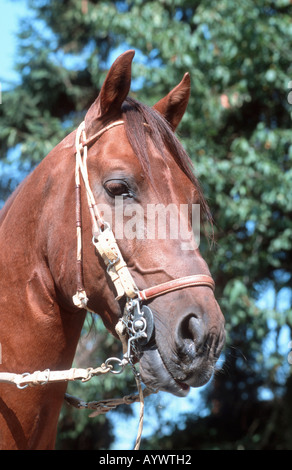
(138, 319)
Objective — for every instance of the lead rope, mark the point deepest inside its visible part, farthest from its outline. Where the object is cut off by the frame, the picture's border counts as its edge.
(141, 415)
(41, 378)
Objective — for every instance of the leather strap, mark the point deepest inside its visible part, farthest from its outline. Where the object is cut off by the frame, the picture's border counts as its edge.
(107, 246)
(105, 241)
(180, 283)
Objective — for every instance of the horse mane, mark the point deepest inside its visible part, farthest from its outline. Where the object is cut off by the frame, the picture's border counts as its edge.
(140, 120)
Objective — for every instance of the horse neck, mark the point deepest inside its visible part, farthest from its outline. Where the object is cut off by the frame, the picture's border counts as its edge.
(26, 218)
(28, 288)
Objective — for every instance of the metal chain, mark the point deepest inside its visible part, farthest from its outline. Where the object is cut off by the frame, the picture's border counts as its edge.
(103, 406)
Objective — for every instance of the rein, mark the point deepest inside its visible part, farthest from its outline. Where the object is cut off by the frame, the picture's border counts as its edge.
(136, 326)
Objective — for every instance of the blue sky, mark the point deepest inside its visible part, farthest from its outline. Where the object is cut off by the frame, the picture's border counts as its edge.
(11, 11)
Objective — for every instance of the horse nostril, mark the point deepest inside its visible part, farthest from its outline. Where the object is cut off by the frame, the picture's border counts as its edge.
(190, 327)
(190, 335)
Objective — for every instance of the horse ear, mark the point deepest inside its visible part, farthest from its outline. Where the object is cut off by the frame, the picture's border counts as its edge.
(173, 106)
(114, 90)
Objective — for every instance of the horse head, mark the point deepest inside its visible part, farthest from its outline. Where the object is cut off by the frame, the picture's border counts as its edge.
(139, 172)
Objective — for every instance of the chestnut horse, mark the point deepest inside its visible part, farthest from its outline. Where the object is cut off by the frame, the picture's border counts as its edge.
(141, 161)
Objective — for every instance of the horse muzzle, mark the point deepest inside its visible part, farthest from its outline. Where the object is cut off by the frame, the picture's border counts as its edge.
(183, 356)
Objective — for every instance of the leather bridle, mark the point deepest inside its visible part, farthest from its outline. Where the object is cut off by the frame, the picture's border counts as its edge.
(106, 245)
(136, 327)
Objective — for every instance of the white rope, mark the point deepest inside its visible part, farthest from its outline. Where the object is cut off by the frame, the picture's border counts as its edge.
(48, 376)
(103, 406)
(141, 415)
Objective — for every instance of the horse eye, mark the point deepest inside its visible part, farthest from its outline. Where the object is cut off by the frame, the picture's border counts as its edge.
(117, 188)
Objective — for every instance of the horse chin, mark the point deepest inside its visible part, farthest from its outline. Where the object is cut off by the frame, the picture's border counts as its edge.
(155, 375)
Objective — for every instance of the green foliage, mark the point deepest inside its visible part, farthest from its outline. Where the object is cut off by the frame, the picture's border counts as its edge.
(238, 131)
